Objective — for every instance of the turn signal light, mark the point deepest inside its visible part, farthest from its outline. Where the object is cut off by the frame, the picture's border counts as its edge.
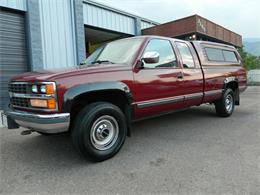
(51, 104)
(49, 89)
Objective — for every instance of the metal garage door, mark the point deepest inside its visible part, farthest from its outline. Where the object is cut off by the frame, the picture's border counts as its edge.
(13, 55)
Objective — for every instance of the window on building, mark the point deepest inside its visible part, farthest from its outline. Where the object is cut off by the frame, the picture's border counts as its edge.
(214, 54)
(230, 56)
(164, 48)
(186, 55)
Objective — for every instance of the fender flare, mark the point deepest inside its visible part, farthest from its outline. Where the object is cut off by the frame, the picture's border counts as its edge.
(232, 79)
(74, 92)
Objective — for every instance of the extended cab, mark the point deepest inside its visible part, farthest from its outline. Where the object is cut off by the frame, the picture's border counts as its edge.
(124, 81)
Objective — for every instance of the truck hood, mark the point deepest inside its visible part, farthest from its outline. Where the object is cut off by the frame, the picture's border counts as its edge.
(52, 75)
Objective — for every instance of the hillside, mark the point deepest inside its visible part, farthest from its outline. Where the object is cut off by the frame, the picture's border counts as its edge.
(252, 46)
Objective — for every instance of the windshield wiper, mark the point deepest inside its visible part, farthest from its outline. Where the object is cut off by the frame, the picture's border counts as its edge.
(102, 61)
(82, 63)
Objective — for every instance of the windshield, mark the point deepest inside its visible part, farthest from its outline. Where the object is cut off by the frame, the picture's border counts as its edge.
(118, 52)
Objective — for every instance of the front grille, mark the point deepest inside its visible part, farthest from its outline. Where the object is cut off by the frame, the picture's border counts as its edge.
(21, 93)
(19, 88)
(21, 102)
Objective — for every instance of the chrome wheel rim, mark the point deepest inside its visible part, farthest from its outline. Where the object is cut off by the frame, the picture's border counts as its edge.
(104, 132)
(229, 103)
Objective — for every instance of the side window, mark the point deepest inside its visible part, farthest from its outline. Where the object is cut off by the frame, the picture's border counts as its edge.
(214, 54)
(186, 55)
(163, 47)
(230, 56)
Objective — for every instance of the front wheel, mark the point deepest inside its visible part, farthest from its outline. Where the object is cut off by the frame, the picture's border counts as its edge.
(99, 131)
(225, 106)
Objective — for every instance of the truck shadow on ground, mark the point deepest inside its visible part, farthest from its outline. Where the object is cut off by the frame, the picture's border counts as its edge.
(58, 148)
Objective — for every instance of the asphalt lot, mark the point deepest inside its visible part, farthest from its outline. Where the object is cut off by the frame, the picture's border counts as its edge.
(190, 152)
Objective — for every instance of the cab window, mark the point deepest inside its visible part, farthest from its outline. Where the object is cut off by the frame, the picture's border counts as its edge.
(230, 56)
(214, 54)
(186, 56)
(164, 48)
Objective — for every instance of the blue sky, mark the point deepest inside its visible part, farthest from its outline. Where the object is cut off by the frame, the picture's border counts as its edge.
(241, 16)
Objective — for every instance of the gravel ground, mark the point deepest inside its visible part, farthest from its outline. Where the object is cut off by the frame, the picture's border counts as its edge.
(190, 152)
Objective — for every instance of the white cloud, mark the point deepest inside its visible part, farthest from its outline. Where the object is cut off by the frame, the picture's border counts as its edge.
(241, 16)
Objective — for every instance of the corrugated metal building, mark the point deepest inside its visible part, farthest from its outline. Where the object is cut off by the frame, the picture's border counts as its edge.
(46, 34)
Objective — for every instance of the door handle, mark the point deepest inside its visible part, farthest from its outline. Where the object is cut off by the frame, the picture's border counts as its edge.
(179, 75)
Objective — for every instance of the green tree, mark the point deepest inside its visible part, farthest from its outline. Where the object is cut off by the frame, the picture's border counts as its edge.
(250, 62)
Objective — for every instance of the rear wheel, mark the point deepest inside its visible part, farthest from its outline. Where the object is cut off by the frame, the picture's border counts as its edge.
(225, 106)
(99, 131)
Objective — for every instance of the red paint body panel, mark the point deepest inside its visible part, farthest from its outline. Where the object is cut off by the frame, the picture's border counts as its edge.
(147, 85)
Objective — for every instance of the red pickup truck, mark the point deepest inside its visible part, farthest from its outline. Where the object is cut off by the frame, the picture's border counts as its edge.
(124, 81)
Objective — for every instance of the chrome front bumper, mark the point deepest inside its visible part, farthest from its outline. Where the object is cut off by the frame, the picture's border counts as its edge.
(49, 123)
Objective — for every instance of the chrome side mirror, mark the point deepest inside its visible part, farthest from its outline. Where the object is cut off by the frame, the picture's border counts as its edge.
(151, 57)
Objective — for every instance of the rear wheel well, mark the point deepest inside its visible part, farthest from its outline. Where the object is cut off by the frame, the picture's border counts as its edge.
(115, 97)
(234, 86)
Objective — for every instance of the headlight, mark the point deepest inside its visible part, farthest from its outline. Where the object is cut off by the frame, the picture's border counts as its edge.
(43, 88)
(44, 95)
(34, 88)
(39, 103)
(42, 103)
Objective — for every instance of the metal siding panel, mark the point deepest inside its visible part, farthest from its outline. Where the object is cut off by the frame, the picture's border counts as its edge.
(119, 23)
(14, 4)
(13, 52)
(133, 24)
(113, 21)
(85, 14)
(103, 16)
(123, 22)
(126, 24)
(108, 19)
(99, 21)
(115, 18)
(58, 33)
(145, 24)
(89, 15)
(95, 16)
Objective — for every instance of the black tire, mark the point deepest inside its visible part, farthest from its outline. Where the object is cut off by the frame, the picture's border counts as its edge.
(225, 106)
(95, 122)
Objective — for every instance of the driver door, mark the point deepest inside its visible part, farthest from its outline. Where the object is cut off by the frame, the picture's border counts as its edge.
(158, 85)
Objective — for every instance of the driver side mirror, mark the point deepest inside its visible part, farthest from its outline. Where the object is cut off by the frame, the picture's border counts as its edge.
(151, 57)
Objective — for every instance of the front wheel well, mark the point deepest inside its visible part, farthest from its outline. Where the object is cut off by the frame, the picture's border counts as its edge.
(116, 97)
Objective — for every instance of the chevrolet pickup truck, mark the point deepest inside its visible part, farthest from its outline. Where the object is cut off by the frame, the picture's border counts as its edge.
(124, 81)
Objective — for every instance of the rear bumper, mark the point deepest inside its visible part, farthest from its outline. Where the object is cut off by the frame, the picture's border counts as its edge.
(49, 123)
